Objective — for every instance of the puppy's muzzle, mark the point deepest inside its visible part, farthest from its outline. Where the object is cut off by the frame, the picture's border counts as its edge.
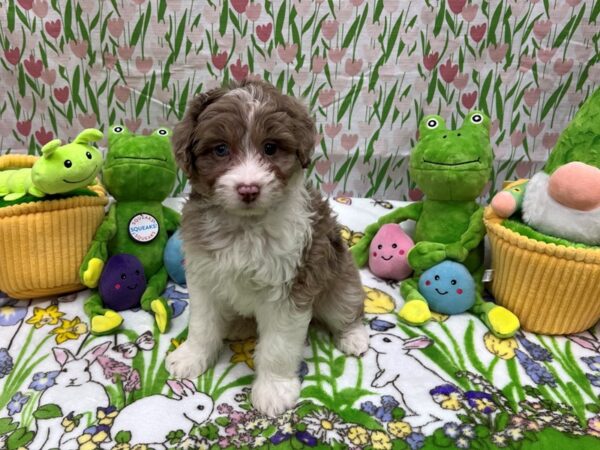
(248, 192)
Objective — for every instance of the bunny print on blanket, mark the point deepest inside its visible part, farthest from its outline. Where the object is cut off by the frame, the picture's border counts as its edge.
(187, 408)
(397, 365)
(74, 392)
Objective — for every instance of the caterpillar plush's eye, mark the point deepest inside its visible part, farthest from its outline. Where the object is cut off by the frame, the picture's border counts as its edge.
(88, 155)
(118, 129)
(477, 118)
(68, 163)
(432, 124)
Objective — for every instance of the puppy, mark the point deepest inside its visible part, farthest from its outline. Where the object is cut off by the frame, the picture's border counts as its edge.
(258, 242)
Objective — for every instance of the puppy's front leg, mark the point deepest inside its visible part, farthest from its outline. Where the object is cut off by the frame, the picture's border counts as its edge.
(282, 332)
(205, 336)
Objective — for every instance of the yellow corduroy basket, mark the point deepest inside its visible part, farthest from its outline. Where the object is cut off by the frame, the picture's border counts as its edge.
(553, 289)
(42, 244)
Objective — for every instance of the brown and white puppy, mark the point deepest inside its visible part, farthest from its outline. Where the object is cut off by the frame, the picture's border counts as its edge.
(258, 242)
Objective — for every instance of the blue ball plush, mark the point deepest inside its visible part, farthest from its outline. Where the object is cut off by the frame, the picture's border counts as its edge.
(448, 288)
(173, 259)
(122, 282)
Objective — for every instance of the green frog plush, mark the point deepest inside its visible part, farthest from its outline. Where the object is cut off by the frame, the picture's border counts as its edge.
(139, 172)
(451, 167)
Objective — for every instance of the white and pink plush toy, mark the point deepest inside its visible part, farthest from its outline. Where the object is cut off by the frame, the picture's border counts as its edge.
(388, 256)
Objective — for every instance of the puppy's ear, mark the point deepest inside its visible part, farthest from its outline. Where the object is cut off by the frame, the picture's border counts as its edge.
(307, 133)
(185, 136)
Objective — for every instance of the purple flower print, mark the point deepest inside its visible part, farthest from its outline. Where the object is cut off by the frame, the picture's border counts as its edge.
(306, 438)
(383, 412)
(538, 373)
(593, 362)
(482, 401)
(43, 380)
(280, 437)
(11, 314)
(415, 440)
(537, 352)
(16, 403)
(6, 362)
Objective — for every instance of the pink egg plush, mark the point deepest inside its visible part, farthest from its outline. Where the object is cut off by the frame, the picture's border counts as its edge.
(388, 254)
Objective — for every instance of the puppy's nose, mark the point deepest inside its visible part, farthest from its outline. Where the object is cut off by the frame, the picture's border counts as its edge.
(248, 192)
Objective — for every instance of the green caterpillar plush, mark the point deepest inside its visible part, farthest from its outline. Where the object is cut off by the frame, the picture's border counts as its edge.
(451, 167)
(61, 169)
(139, 173)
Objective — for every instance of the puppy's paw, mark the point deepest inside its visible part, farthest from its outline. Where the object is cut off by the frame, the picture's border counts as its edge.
(354, 341)
(273, 396)
(186, 362)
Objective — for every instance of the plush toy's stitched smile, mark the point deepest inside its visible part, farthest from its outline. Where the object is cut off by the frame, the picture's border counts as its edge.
(132, 288)
(440, 292)
(452, 164)
(386, 259)
(83, 179)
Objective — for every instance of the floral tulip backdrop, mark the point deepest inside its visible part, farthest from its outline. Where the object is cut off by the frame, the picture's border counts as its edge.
(368, 69)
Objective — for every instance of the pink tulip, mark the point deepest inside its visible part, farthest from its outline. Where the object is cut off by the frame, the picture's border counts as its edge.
(430, 60)
(40, 8)
(48, 76)
(87, 121)
(79, 48)
(460, 81)
(497, 52)
(332, 130)
(468, 100)
(13, 55)
(448, 71)
(43, 136)
(238, 71)
(477, 32)
(349, 141)
(563, 66)
(534, 129)
(122, 93)
(322, 166)
(456, 6)
(517, 138)
(133, 124)
(526, 63)
(353, 66)
(53, 28)
(549, 140)
(239, 5)
(143, 65)
(546, 54)
(253, 11)
(125, 52)
(116, 25)
(264, 31)
(33, 66)
(219, 60)
(24, 127)
(469, 12)
(541, 28)
(531, 96)
(329, 29)
(287, 53)
(336, 54)
(326, 97)
(62, 94)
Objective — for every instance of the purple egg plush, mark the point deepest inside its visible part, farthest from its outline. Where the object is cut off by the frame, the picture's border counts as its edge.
(122, 282)
(388, 254)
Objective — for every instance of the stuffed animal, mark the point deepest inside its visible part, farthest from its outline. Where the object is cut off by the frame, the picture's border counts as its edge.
(563, 200)
(389, 252)
(61, 169)
(122, 282)
(448, 288)
(173, 259)
(451, 167)
(139, 173)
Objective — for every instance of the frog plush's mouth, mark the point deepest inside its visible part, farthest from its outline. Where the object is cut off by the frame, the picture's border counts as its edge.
(83, 179)
(452, 164)
(440, 292)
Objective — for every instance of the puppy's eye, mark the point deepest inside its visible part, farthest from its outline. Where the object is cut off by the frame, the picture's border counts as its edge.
(270, 148)
(221, 150)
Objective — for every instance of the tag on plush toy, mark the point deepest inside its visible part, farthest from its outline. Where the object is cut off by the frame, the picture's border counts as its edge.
(388, 254)
(448, 288)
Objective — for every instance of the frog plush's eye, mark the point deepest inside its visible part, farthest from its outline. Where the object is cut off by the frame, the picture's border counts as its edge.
(162, 132)
(477, 119)
(117, 129)
(432, 124)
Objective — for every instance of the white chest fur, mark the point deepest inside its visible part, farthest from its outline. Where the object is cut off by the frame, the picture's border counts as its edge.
(254, 260)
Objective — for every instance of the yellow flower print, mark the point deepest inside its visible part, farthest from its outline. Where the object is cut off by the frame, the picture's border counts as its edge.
(106, 416)
(48, 316)
(69, 329)
(380, 441)
(243, 351)
(399, 429)
(122, 446)
(502, 348)
(351, 237)
(378, 302)
(439, 317)
(175, 343)
(358, 435)
(139, 447)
